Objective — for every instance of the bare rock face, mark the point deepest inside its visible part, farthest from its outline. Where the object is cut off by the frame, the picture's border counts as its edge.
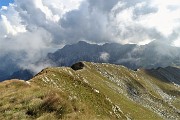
(77, 66)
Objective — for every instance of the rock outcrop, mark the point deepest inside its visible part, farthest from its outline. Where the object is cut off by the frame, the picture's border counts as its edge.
(77, 66)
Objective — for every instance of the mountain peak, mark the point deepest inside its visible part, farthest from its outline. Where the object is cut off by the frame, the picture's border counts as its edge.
(82, 42)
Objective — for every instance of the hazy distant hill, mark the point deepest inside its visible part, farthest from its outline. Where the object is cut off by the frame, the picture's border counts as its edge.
(21, 74)
(93, 91)
(3, 75)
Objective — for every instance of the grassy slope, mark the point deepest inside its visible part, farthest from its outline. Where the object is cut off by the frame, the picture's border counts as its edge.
(98, 91)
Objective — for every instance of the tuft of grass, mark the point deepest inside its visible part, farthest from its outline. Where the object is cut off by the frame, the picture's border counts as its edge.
(52, 103)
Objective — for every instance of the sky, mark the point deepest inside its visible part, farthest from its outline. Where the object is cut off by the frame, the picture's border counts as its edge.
(5, 2)
(32, 28)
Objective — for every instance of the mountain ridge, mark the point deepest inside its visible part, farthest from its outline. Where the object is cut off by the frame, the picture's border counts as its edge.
(130, 55)
(106, 91)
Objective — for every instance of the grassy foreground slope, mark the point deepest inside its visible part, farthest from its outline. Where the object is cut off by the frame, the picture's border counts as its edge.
(98, 91)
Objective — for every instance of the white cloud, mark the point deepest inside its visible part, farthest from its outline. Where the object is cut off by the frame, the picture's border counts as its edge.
(104, 56)
(144, 21)
(4, 8)
(46, 11)
(165, 20)
(145, 42)
(177, 42)
(12, 29)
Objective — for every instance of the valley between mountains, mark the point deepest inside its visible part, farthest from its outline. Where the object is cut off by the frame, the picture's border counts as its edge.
(92, 91)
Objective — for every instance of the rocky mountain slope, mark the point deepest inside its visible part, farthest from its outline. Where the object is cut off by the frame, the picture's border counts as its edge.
(89, 91)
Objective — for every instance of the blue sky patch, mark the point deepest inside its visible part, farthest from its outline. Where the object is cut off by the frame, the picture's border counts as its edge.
(5, 2)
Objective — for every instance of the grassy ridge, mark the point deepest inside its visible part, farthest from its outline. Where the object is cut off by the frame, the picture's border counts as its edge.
(98, 91)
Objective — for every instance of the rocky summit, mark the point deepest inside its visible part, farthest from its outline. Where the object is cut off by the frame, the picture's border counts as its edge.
(91, 91)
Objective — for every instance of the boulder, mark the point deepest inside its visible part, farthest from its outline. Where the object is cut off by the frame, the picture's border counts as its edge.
(77, 66)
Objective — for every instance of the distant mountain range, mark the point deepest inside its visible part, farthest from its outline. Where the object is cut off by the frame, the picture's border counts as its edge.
(130, 55)
(133, 56)
(20, 74)
(93, 91)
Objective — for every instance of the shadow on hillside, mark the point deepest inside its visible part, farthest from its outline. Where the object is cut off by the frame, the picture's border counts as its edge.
(168, 74)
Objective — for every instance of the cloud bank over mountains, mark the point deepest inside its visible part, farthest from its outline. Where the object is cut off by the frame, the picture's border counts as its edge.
(31, 28)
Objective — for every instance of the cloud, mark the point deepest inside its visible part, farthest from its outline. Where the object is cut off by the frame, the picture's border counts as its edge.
(4, 8)
(81, 25)
(32, 28)
(143, 21)
(48, 13)
(28, 29)
(104, 56)
(102, 5)
(177, 43)
(12, 29)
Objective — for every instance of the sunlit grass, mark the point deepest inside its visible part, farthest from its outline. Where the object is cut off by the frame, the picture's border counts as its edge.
(62, 93)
